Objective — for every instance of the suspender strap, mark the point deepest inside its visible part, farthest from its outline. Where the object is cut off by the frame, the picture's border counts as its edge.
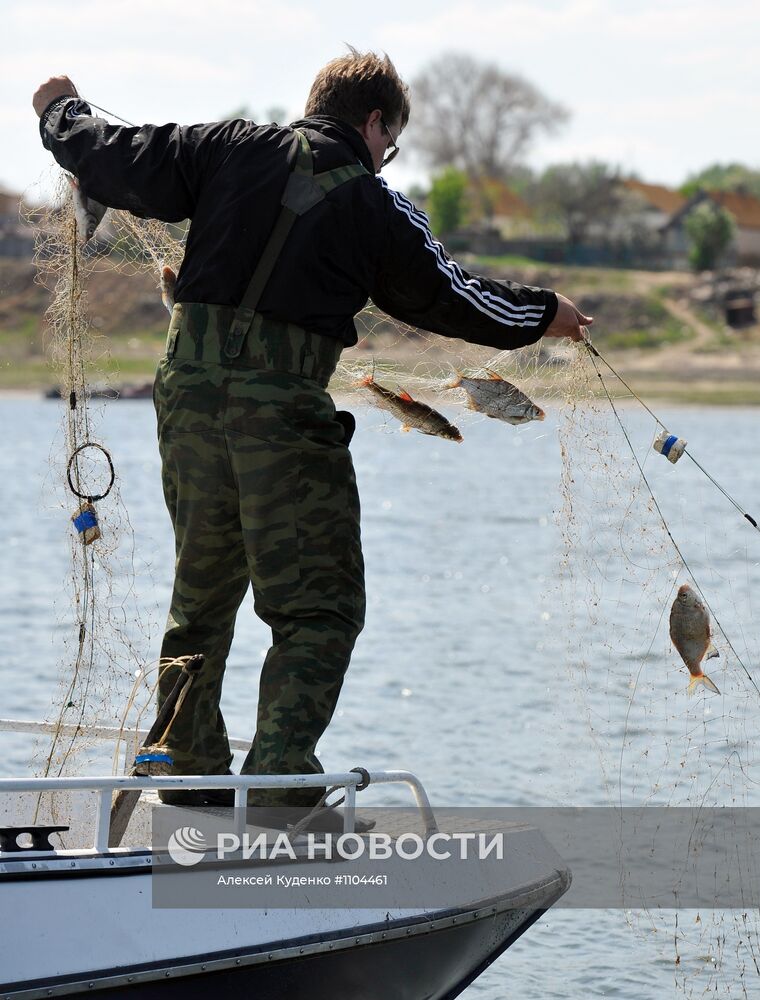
(302, 192)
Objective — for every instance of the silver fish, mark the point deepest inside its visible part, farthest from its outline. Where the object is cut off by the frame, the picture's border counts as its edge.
(87, 212)
(411, 413)
(497, 398)
(168, 282)
(690, 634)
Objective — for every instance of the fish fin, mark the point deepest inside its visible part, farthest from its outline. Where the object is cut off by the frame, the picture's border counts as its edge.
(709, 684)
(405, 428)
(712, 652)
(454, 382)
(403, 394)
(493, 376)
(694, 683)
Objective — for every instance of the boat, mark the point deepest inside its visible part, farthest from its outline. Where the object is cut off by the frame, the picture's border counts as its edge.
(80, 920)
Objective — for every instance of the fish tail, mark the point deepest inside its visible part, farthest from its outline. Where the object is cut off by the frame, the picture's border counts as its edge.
(168, 281)
(694, 683)
(454, 382)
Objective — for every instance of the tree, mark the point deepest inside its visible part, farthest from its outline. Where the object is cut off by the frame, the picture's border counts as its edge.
(723, 177)
(710, 229)
(417, 193)
(577, 195)
(276, 114)
(446, 200)
(473, 116)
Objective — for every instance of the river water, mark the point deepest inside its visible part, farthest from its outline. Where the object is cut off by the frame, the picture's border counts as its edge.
(497, 666)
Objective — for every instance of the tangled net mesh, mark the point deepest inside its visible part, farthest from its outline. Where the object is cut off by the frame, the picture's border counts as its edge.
(634, 528)
(103, 678)
(626, 548)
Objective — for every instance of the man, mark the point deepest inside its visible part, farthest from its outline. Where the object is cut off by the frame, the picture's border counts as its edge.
(256, 470)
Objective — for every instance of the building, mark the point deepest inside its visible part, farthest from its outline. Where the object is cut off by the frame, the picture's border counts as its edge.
(652, 204)
(493, 201)
(745, 209)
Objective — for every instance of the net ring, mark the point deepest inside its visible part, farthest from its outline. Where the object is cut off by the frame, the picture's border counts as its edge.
(87, 496)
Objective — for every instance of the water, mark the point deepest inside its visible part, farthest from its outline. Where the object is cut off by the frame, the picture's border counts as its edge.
(463, 673)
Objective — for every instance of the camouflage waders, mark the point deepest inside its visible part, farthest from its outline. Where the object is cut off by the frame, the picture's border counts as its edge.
(260, 488)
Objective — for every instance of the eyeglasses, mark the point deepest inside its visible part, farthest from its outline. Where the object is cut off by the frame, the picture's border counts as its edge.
(394, 151)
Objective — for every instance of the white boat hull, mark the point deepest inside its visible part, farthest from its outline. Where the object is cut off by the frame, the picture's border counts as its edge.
(75, 922)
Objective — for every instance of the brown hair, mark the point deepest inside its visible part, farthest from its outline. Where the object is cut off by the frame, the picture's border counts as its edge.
(352, 86)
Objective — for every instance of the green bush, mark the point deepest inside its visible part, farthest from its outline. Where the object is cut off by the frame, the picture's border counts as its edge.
(446, 201)
(710, 229)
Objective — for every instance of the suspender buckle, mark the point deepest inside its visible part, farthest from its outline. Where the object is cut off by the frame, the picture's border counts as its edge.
(241, 324)
(301, 193)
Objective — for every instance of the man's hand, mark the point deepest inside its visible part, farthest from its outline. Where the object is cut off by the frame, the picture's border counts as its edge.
(57, 86)
(569, 321)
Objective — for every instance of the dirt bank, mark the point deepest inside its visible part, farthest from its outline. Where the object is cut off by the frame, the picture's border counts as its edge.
(659, 329)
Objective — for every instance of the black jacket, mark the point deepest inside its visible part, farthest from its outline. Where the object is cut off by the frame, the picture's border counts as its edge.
(364, 240)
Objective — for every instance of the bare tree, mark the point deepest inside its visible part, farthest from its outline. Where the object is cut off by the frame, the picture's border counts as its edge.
(580, 196)
(473, 116)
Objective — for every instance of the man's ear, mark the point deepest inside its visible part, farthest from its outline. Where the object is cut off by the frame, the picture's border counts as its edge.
(372, 118)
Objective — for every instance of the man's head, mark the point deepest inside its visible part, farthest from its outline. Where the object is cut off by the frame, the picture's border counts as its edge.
(367, 92)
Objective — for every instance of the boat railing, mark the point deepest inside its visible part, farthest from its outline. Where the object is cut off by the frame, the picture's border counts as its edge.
(104, 787)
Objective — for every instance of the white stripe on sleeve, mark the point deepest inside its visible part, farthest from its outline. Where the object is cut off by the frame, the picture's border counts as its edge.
(482, 299)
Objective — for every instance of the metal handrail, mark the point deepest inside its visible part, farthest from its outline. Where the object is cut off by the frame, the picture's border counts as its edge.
(241, 783)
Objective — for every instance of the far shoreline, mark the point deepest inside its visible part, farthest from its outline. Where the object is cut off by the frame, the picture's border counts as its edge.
(666, 389)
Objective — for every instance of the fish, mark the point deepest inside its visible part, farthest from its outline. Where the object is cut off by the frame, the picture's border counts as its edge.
(497, 398)
(690, 634)
(168, 281)
(87, 212)
(412, 414)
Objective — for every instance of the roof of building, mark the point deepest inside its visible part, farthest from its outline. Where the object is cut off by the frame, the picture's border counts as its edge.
(745, 208)
(504, 202)
(662, 198)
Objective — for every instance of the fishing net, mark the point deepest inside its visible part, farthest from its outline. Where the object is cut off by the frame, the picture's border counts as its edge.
(635, 528)
(628, 542)
(104, 681)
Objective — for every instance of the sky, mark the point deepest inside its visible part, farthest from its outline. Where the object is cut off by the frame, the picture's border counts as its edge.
(661, 88)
